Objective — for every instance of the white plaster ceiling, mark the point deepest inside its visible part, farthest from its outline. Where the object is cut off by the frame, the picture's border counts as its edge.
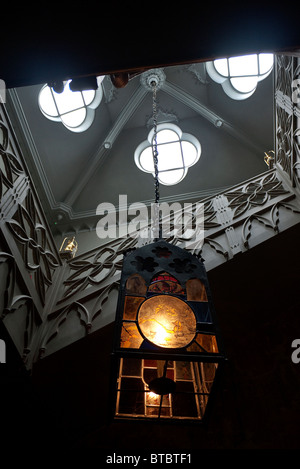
(74, 172)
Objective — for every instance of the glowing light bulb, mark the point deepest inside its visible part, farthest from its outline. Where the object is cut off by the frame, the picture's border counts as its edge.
(161, 334)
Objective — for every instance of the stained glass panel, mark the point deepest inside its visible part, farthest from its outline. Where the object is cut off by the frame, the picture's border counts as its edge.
(193, 382)
(136, 285)
(132, 304)
(130, 336)
(166, 283)
(167, 321)
(195, 290)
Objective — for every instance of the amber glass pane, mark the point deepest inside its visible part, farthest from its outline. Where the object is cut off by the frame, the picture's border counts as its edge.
(131, 397)
(131, 306)
(155, 399)
(131, 367)
(208, 373)
(130, 336)
(184, 402)
(167, 321)
(150, 374)
(183, 371)
(154, 411)
(195, 290)
(207, 342)
(194, 347)
(136, 285)
(152, 399)
(150, 363)
(156, 368)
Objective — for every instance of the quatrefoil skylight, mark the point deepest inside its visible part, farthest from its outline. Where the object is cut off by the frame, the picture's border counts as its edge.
(239, 76)
(177, 151)
(74, 109)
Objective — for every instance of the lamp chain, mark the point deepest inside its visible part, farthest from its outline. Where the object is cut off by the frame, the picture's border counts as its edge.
(157, 223)
(154, 146)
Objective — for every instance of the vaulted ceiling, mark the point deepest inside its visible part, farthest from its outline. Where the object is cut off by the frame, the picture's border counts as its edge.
(74, 172)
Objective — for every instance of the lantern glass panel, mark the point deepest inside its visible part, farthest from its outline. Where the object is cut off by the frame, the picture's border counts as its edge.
(166, 283)
(136, 285)
(132, 304)
(192, 381)
(195, 290)
(130, 336)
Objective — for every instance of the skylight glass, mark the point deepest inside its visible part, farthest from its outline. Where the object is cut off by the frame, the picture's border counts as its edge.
(170, 178)
(166, 136)
(189, 152)
(74, 118)
(244, 84)
(177, 151)
(170, 156)
(68, 100)
(242, 66)
(47, 102)
(239, 76)
(222, 66)
(266, 62)
(75, 109)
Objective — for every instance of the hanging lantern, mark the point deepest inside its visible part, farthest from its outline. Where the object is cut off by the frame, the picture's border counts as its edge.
(68, 248)
(167, 352)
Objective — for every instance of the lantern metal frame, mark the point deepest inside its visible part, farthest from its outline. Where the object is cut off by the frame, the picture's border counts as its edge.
(147, 262)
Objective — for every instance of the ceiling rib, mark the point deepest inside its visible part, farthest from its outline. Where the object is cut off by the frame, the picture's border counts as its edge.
(101, 154)
(131, 106)
(212, 117)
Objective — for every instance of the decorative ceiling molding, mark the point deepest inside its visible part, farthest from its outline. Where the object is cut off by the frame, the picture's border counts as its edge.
(63, 211)
(15, 109)
(156, 75)
(199, 71)
(99, 157)
(131, 106)
(209, 115)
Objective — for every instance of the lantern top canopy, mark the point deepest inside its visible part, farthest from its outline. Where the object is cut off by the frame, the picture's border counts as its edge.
(162, 256)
